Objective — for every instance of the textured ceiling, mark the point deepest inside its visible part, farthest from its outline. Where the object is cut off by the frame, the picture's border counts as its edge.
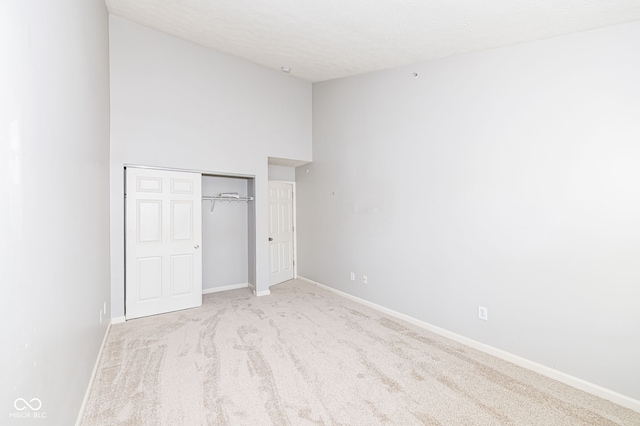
(327, 39)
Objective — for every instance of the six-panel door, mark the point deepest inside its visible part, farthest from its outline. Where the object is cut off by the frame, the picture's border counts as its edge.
(163, 234)
(280, 232)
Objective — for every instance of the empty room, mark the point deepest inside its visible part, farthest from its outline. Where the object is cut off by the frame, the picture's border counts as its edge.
(292, 213)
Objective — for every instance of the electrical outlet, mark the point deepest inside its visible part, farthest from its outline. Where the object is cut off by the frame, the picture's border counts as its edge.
(483, 313)
(365, 280)
(353, 276)
(100, 316)
(104, 308)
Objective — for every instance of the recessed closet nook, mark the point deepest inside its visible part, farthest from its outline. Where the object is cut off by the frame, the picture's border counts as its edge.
(190, 233)
(187, 234)
(225, 232)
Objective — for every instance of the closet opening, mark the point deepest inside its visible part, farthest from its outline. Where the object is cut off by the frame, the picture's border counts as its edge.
(228, 234)
(187, 233)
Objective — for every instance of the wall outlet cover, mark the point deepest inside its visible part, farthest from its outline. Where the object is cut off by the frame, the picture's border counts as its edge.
(483, 313)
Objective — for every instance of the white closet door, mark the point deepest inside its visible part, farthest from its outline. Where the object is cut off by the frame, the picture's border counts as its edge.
(280, 232)
(163, 234)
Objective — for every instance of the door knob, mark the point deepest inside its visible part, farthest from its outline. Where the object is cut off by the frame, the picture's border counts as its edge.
(197, 246)
(270, 239)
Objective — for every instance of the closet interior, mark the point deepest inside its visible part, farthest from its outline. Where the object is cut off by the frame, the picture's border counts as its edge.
(227, 243)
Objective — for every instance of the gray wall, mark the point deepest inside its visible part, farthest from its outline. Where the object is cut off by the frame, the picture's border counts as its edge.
(282, 173)
(180, 105)
(506, 178)
(225, 240)
(54, 202)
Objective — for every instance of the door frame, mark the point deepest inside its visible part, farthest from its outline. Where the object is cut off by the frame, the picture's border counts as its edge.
(295, 225)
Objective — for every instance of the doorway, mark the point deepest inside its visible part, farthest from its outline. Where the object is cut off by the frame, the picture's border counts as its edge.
(282, 247)
(226, 240)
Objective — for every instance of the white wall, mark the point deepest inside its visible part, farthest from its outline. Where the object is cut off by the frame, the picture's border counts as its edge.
(180, 105)
(282, 173)
(225, 240)
(507, 178)
(54, 202)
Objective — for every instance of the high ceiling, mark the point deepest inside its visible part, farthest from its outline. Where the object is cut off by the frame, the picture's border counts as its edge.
(326, 39)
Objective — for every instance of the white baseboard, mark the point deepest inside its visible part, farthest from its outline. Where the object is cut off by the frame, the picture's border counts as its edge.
(118, 320)
(575, 382)
(93, 375)
(224, 288)
(261, 293)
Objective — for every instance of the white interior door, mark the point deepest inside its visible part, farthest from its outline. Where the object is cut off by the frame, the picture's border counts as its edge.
(163, 233)
(281, 249)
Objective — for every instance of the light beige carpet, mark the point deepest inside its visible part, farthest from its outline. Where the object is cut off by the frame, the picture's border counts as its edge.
(304, 356)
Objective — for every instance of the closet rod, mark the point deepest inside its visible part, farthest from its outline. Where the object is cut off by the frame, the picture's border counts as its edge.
(214, 198)
(218, 198)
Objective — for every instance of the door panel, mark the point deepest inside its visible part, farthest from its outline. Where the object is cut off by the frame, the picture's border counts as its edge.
(287, 258)
(149, 278)
(274, 259)
(163, 256)
(181, 186)
(149, 219)
(281, 247)
(181, 274)
(181, 223)
(148, 184)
